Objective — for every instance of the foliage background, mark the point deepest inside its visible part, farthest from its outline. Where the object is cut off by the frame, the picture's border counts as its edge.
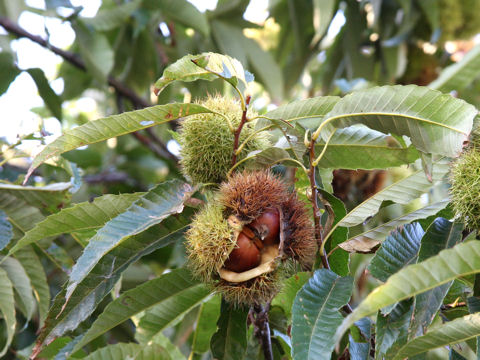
(116, 57)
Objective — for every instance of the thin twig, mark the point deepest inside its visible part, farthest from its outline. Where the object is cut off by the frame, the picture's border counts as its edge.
(262, 330)
(316, 210)
(236, 139)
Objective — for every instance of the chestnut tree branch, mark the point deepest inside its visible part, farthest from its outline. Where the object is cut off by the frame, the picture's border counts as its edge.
(316, 210)
(262, 330)
(236, 139)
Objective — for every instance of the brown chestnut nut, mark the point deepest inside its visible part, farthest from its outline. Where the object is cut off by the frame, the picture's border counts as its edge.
(268, 226)
(244, 257)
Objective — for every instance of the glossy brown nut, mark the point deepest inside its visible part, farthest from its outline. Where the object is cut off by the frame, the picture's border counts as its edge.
(244, 257)
(268, 226)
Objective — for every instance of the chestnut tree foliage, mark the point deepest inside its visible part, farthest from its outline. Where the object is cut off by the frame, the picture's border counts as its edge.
(92, 227)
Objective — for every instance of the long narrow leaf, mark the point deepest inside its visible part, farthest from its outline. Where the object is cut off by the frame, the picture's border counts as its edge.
(82, 216)
(402, 192)
(315, 314)
(436, 123)
(176, 283)
(455, 331)
(112, 126)
(7, 308)
(458, 76)
(150, 209)
(104, 275)
(461, 260)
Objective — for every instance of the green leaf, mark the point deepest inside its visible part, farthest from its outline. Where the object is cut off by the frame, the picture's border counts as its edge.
(6, 233)
(309, 113)
(105, 275)
(80, 217)
(165, 314)
(96, 51)
(441, 234)
(206, 325)
(228, 36)
(315, 314)
(460, 75)
(452, 332)
(108, 19)
(150, 209)
(392, 330)
(436, 123)
(9, 71)
(115, 352)
(112, 126)
(48, 199)
(290, 288)
(21, 284)
(185, 13)
(21, 215)
(206, 66)
(322, 15)
(269, 157)
(38, 279)
(265, 67)
(372, 237)
(7, 308)
(51, 99)
(402, 192)
(399, 249)
(153, 352)
(339, 258)
(165, 343)
(358, 147)
(230, 340)
(461, 260)
(359, 347)
(176, 283)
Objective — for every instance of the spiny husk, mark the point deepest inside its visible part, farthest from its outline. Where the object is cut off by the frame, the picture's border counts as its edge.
(209, 241)
(248, 194)
(207, 141)
(465, 189)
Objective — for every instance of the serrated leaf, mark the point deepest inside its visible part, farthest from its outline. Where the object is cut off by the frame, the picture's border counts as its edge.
(287, 294)
(21, 284)
(150, 209)
(399, 249)
(441, 234)
(143, 297)
(6, 233)
(452, 332)
(206, 325)
(108, 19)
(48, 199)
(402, 192)
(206, 66)
(372, 237)
(80, 217)
(115, 351)
(459, 75)
(359, 348)
(461, 260)
(112, 126)
(51, 99)
(153, 352)
(105, 274)
(230, 340)
(436, 123)
(315, 314)
(21, 215)
(7, 308)
(165, 343)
